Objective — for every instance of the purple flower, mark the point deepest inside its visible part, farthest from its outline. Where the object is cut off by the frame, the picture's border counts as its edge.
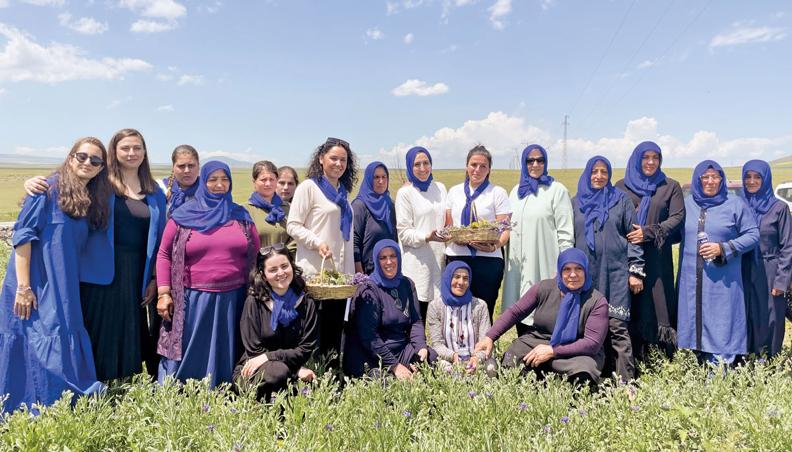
(565, 419)
(305, 391)
(582, 412)
(237, 447)
(488, 395)
(205, 408)
(233, 410)
(472, 394)
(635, 408)
(522, 406)
(329, 427)
(547, 428)
(761, 360)
(407, 414)
(211, 428)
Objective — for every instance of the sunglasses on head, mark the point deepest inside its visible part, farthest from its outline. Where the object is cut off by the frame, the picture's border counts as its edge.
(531, 161)
(336, 142)
(270, 248)
(83, 156)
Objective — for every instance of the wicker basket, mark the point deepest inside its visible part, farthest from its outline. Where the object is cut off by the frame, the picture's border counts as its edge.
(323, 291)
(474, 235)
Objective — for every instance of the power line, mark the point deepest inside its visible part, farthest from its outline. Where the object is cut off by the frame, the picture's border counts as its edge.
(602, 58)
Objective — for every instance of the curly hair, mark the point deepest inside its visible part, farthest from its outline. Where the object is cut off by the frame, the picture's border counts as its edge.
(79, 200)
(260, 288)
(315, 170)
(147, 184)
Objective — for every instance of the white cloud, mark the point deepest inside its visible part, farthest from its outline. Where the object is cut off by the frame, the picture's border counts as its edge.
(164, 77)
(166, 108)
(161, 9)
(186, 79)
(499, 10)
(505, 136)
(23, 59)
(547, 4)
(211, 8)
(44, 2)
(246, 156)
(399, 6)
(448, 5)
(450, 49)
(647, 64)
(2, 91)
(409, 38)
(419, 88)
(742, 34)
(4, 3)
(151, 26)
(83, 25)
(375, 34)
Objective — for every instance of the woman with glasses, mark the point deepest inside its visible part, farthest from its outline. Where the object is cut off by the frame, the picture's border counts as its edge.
(208, 249)
(603, 218)
(660, 208)
(278, 326)
(374, 214)
(182, 184)
(767, 268)
(386, 332)
(473, 200)
(124, 333)
(45, 348)
(268, 210)
(320, 221)
(541, 228)
(420, 216)
(719, 229)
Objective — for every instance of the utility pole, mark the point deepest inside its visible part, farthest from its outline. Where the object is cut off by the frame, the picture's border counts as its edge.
(564, 152)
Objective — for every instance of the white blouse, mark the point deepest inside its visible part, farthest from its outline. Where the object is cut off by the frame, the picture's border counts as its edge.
(314, 219)
(493, 201)
(417, 214)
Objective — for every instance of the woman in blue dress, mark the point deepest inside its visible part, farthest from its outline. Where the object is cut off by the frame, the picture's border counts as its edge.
(766, 269)
(719, 229)
(44, 347)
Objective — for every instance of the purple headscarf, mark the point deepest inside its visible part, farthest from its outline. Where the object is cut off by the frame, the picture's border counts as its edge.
(208, 211)
(641, 184)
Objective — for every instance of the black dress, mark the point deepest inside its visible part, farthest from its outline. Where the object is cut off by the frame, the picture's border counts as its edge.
(123, 334)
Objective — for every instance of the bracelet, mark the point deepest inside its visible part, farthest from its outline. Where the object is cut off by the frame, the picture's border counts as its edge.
(22, 290)
(162, 295)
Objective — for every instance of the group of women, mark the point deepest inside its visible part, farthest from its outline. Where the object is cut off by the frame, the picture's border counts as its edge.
(112, 271)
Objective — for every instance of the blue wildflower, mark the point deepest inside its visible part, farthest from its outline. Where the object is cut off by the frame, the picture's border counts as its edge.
(233, 410)
(488, 395)
(565, 419)
(522, 406)
(635, 408)
(205, 408)
(305, 391)
(407, 414)
(472, 394)
(211, 428)
(329, 427)
(547, 428)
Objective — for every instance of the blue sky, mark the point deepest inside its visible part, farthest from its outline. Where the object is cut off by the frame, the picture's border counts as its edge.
(272, 79)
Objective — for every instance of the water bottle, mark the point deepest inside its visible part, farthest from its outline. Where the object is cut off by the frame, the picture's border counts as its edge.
(702, 238)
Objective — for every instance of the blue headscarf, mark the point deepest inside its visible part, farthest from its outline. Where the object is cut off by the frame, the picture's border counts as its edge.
(178, 194)
(445, 285)
(696, 189)
(276, 213)
(641, 184)
(594, 203)
(568, 317)
(377, 276)
(411, 154)
(339, 198)
(208, 211)
(762, 200)
(528, 184)
(284, 309)
(380, 205)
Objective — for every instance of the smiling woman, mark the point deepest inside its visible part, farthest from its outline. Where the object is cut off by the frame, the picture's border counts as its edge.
(45, 348)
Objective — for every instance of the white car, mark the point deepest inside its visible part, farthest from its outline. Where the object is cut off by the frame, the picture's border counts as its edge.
(783, 191)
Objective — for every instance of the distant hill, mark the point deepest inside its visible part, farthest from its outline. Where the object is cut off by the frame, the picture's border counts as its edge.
(233, 163)
(783, 161)
(27, 160)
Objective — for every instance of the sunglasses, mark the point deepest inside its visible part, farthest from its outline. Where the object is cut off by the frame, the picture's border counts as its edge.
(83, 156)
(270, 248)
(531, 161)
(336, 142)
